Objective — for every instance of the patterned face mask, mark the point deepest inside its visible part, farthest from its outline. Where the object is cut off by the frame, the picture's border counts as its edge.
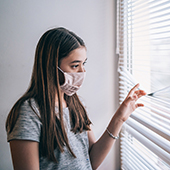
(72, 82)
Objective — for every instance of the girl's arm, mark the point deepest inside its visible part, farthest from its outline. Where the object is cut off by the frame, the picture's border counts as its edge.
(99, 149)
(25, 154)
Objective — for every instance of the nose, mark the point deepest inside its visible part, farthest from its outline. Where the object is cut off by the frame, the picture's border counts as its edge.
(82, 69)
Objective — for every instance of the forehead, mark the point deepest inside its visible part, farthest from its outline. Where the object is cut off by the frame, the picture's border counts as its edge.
(77, 54)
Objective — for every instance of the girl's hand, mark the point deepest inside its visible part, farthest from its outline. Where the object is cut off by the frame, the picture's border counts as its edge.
(129, 104)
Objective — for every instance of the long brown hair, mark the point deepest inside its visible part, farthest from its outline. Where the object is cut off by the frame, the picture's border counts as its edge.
(54, 45)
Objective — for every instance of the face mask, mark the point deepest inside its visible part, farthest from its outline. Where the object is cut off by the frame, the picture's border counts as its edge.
(72, 82)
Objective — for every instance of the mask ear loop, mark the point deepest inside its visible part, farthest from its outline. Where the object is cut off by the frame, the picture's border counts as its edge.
(63, 74)
(60, 70)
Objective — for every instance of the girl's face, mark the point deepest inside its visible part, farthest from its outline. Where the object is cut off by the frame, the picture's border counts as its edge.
(75, 61)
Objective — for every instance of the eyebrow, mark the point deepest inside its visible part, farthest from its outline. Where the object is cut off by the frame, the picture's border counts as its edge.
(78, 61)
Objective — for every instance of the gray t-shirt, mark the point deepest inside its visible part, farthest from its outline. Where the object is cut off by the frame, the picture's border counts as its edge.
(28, 127)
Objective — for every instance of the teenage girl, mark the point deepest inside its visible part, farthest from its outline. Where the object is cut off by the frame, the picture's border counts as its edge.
(48, 127)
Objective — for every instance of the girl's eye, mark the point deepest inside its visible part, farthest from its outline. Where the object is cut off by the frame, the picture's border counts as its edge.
(74, 66)
(77, 65)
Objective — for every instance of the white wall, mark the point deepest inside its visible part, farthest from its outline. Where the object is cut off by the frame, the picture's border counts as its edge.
(21, 25)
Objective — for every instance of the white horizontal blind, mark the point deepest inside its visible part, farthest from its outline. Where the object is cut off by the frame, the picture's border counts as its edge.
(143, 45)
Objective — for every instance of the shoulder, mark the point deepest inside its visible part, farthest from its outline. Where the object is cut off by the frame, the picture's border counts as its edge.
(30, 108)
(29, 111)
(28, 124)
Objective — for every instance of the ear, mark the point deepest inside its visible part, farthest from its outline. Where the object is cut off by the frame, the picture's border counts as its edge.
(61, 77)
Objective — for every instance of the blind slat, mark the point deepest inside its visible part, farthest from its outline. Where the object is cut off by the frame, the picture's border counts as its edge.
(143, 154)
(152, 126)
(144, 4)
(150, 145)
(135, 162)
(136, 153)
(158, 110)
(159, 120)
(161, 142)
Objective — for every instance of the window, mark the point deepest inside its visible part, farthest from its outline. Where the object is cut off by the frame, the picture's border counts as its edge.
(143, 45)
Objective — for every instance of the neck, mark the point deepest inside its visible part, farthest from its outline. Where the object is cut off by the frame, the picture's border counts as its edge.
(64, 104)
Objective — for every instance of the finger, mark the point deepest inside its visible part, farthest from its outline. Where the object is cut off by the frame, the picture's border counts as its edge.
(140, 93)
(134, 97)
(134, 89)
(139, 105)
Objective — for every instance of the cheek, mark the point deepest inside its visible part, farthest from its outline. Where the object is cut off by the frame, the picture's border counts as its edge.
(64, 66)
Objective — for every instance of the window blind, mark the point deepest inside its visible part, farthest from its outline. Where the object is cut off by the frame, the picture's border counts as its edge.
(143, 45)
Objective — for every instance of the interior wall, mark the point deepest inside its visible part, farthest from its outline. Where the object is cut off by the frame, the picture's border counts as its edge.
(21, 25)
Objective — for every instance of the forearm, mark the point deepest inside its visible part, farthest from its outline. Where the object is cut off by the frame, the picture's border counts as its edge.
(100, 149)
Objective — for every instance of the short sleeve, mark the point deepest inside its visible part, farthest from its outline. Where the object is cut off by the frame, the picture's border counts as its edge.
(28, 125)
